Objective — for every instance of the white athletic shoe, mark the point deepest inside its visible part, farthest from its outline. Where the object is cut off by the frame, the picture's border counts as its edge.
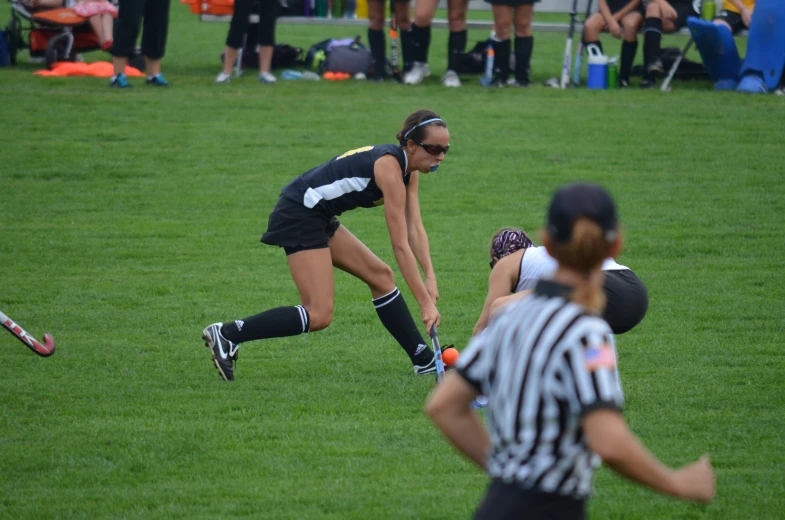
(223, 78)
(267, 78)
(419, 72)
(451, 79)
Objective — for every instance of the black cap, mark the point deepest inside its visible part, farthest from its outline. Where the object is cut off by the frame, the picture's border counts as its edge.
(581, 199)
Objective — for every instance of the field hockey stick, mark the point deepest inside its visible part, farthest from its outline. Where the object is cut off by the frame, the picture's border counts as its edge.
(437, 353)
(45, 350)
(666, 85)
(394, 60)
(576, 71)
(567, 62)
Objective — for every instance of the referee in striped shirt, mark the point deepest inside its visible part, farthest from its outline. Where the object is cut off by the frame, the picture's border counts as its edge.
(548, 368)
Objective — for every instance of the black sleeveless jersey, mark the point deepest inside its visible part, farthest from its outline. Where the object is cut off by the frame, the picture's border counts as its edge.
(345, 182)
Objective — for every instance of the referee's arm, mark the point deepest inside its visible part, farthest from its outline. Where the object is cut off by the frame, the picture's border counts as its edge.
(449, 405)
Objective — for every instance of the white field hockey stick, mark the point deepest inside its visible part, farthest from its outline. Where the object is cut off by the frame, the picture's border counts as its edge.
(666, 85)
(576, 71)
(567, 63)
(45, 350)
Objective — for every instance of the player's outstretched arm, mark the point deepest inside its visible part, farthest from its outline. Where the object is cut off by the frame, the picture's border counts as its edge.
(418, 238)
(388, 173)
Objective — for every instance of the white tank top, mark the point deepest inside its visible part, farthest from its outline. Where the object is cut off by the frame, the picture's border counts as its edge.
(537, 264)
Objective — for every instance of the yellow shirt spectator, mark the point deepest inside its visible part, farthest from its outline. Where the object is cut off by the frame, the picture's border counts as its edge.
(727, 5)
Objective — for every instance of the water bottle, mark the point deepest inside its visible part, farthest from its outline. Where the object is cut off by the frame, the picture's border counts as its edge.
(486, 80)
(350, 8)
(337, 9)
(291, 74)
(321, 8)
(613, 73)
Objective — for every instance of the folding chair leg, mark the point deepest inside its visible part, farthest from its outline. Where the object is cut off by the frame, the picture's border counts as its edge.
(667, 83)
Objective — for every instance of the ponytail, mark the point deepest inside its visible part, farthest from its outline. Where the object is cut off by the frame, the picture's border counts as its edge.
(584, 253)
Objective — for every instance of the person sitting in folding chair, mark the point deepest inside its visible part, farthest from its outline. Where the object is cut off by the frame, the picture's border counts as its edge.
(662, 16)
(623, 19)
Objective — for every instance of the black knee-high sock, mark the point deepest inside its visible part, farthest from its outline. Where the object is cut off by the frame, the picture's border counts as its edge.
(523, 59)
(628, 50)
(275, 323)
(652, 36)
(598, 43)
(406, 49)
(456, 47)
(396, 318)
(377, 44)
(501, 63)
(421, 40)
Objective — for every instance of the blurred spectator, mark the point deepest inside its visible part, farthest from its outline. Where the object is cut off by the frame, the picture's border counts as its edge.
(376, 41)
(421, 41)
(506, 14)
(156, 25)
(662, 16)
(238, 29)
(101, 15)
(623, 19)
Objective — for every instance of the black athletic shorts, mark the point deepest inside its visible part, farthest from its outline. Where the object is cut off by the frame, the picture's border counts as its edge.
(732, 19)
(627, 300)
(617, 5)
(512, 3)
(684, 11)
(295, 228)
(511, 502)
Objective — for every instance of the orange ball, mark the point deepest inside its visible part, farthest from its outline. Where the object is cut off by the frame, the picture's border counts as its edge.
(450, 356)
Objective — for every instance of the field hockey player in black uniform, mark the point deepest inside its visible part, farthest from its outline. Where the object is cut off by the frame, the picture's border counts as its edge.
(303, 223)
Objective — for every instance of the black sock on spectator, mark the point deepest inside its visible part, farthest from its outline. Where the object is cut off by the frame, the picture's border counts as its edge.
(628, 50)
(406, 49)
(652, 36)
(275, 323)
(421, 40)
(377, 44)
(598, 43)
(456, 47)
(523, 59)
(501, 63)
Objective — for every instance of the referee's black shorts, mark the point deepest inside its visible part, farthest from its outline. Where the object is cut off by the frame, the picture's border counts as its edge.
(295, 228)
(511, 502)
(627, 300)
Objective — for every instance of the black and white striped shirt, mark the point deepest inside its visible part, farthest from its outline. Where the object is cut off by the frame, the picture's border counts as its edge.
(544, 363)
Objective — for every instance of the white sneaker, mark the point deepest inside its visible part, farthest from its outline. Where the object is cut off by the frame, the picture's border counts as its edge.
(223, 78)
(267, 78)
(451, 79)
(420, 71)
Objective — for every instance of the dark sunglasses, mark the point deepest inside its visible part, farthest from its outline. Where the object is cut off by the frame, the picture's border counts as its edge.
(435, 149)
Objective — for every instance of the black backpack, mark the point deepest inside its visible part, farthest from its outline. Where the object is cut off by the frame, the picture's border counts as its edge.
(473, 62)
(688, 69)
(284, 56)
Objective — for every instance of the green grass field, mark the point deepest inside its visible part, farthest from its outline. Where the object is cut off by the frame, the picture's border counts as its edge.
(131, 219)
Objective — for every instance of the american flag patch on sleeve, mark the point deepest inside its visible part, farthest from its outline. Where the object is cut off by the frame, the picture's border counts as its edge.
(600, 357)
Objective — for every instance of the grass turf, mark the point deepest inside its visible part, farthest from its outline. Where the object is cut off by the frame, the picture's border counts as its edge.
(130, 220)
